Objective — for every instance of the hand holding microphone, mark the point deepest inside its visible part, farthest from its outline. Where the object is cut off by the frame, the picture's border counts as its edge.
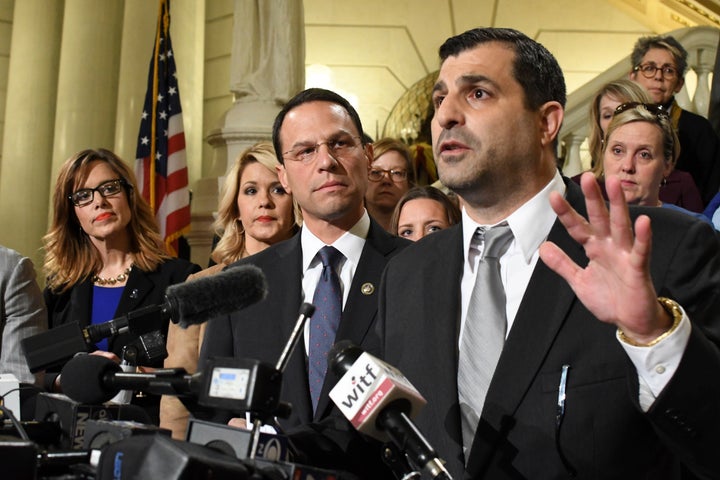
(379, 401)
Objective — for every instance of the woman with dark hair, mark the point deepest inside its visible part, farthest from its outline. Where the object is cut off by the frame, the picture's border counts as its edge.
(254, 213)
(422, 211)
(104, 256)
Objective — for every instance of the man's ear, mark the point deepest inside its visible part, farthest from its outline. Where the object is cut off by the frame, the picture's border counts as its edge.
(369, 153)
(551, 116)
(282, 177)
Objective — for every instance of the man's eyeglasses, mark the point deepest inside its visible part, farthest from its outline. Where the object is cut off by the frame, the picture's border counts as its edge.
(339, 147)
(85, 196)
(397, 176)
(653, 108)
(648, 70)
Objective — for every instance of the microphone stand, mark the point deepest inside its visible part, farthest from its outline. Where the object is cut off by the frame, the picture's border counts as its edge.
(306, 311)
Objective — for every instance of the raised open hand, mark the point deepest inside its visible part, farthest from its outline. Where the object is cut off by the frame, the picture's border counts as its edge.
(615, 285)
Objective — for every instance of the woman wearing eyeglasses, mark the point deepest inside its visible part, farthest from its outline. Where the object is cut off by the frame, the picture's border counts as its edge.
(640, 148)
(391, 175)
(104, 256)
(659, 64)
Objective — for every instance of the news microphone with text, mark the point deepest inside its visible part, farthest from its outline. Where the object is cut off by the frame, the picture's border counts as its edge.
(379, 401)
(187, 303)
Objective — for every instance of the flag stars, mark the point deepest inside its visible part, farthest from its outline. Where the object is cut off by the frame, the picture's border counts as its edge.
(145, 141)
(163, 115)
(160, 97)
(144, 115)
(161, 57)
(172, 91)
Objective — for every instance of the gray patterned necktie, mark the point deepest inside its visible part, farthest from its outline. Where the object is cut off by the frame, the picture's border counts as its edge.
(484, 330)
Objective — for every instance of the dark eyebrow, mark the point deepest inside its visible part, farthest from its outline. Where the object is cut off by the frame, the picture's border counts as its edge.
(465, 80)
(475, 79)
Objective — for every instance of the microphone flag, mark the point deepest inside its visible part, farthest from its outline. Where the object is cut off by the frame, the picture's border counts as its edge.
(367, 387)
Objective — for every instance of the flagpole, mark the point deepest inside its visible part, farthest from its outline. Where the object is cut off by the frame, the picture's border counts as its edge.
(162, 13)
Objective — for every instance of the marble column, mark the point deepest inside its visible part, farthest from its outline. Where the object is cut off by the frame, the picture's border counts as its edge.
(88, 78)
(25, 178)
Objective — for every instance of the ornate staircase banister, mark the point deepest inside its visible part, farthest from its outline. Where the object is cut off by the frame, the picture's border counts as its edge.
(701, 44)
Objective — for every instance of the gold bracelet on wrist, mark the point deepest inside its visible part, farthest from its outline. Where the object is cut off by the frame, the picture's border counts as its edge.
(671, 307)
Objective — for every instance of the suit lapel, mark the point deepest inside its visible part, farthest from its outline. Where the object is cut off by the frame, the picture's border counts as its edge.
(442, 298)
(289, 266)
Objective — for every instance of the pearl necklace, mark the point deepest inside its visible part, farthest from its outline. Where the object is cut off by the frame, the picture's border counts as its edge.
(112, 281)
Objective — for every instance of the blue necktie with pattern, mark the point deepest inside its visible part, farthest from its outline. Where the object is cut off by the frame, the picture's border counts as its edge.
(324, 322)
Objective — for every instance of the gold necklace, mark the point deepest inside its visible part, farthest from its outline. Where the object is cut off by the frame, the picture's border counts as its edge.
(112, 281)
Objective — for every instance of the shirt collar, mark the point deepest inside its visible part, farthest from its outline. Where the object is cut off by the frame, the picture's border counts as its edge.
(350, 243)
(530, 224)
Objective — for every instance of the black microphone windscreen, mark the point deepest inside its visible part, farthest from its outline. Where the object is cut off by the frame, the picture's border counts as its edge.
(342, 355)
(83, 379)
(233, 289)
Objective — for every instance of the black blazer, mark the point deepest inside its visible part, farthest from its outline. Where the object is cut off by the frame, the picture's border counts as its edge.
(699, 153)
(604, 434)
(261, 330)
(142, 289)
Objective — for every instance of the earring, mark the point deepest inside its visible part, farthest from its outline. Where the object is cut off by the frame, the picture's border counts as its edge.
(664, 182)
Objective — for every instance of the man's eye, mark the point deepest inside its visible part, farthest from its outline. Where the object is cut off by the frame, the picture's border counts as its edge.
(304, 152)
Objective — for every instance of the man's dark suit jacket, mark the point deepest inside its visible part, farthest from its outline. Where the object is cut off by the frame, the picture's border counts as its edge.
(699, 153)
(261, 330)
(143, 289)
(604, 433)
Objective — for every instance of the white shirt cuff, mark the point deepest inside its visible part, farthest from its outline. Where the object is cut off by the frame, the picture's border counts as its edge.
(657, 364)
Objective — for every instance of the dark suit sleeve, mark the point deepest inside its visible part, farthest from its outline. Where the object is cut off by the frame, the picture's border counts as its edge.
(686, 415)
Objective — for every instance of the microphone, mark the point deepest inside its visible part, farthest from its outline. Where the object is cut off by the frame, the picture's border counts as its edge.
(92, 379)
(234, 384)
(379, 402)
(187, 303)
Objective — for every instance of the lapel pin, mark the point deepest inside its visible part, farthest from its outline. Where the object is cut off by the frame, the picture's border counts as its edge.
(367, 288)
(134, 293)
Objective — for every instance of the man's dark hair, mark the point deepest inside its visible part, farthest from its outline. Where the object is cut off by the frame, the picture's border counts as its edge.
(534, 67)
(307, 96)
(667, 42)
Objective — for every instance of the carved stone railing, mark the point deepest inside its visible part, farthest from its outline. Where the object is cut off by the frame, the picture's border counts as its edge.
(701, 44)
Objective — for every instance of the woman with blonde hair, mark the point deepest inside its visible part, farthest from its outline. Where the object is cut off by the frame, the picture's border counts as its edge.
(641, 148)
(677, 187)
(104, 256)
(254, 213)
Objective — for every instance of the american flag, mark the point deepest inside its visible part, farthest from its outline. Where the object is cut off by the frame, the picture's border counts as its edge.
(160, 163)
